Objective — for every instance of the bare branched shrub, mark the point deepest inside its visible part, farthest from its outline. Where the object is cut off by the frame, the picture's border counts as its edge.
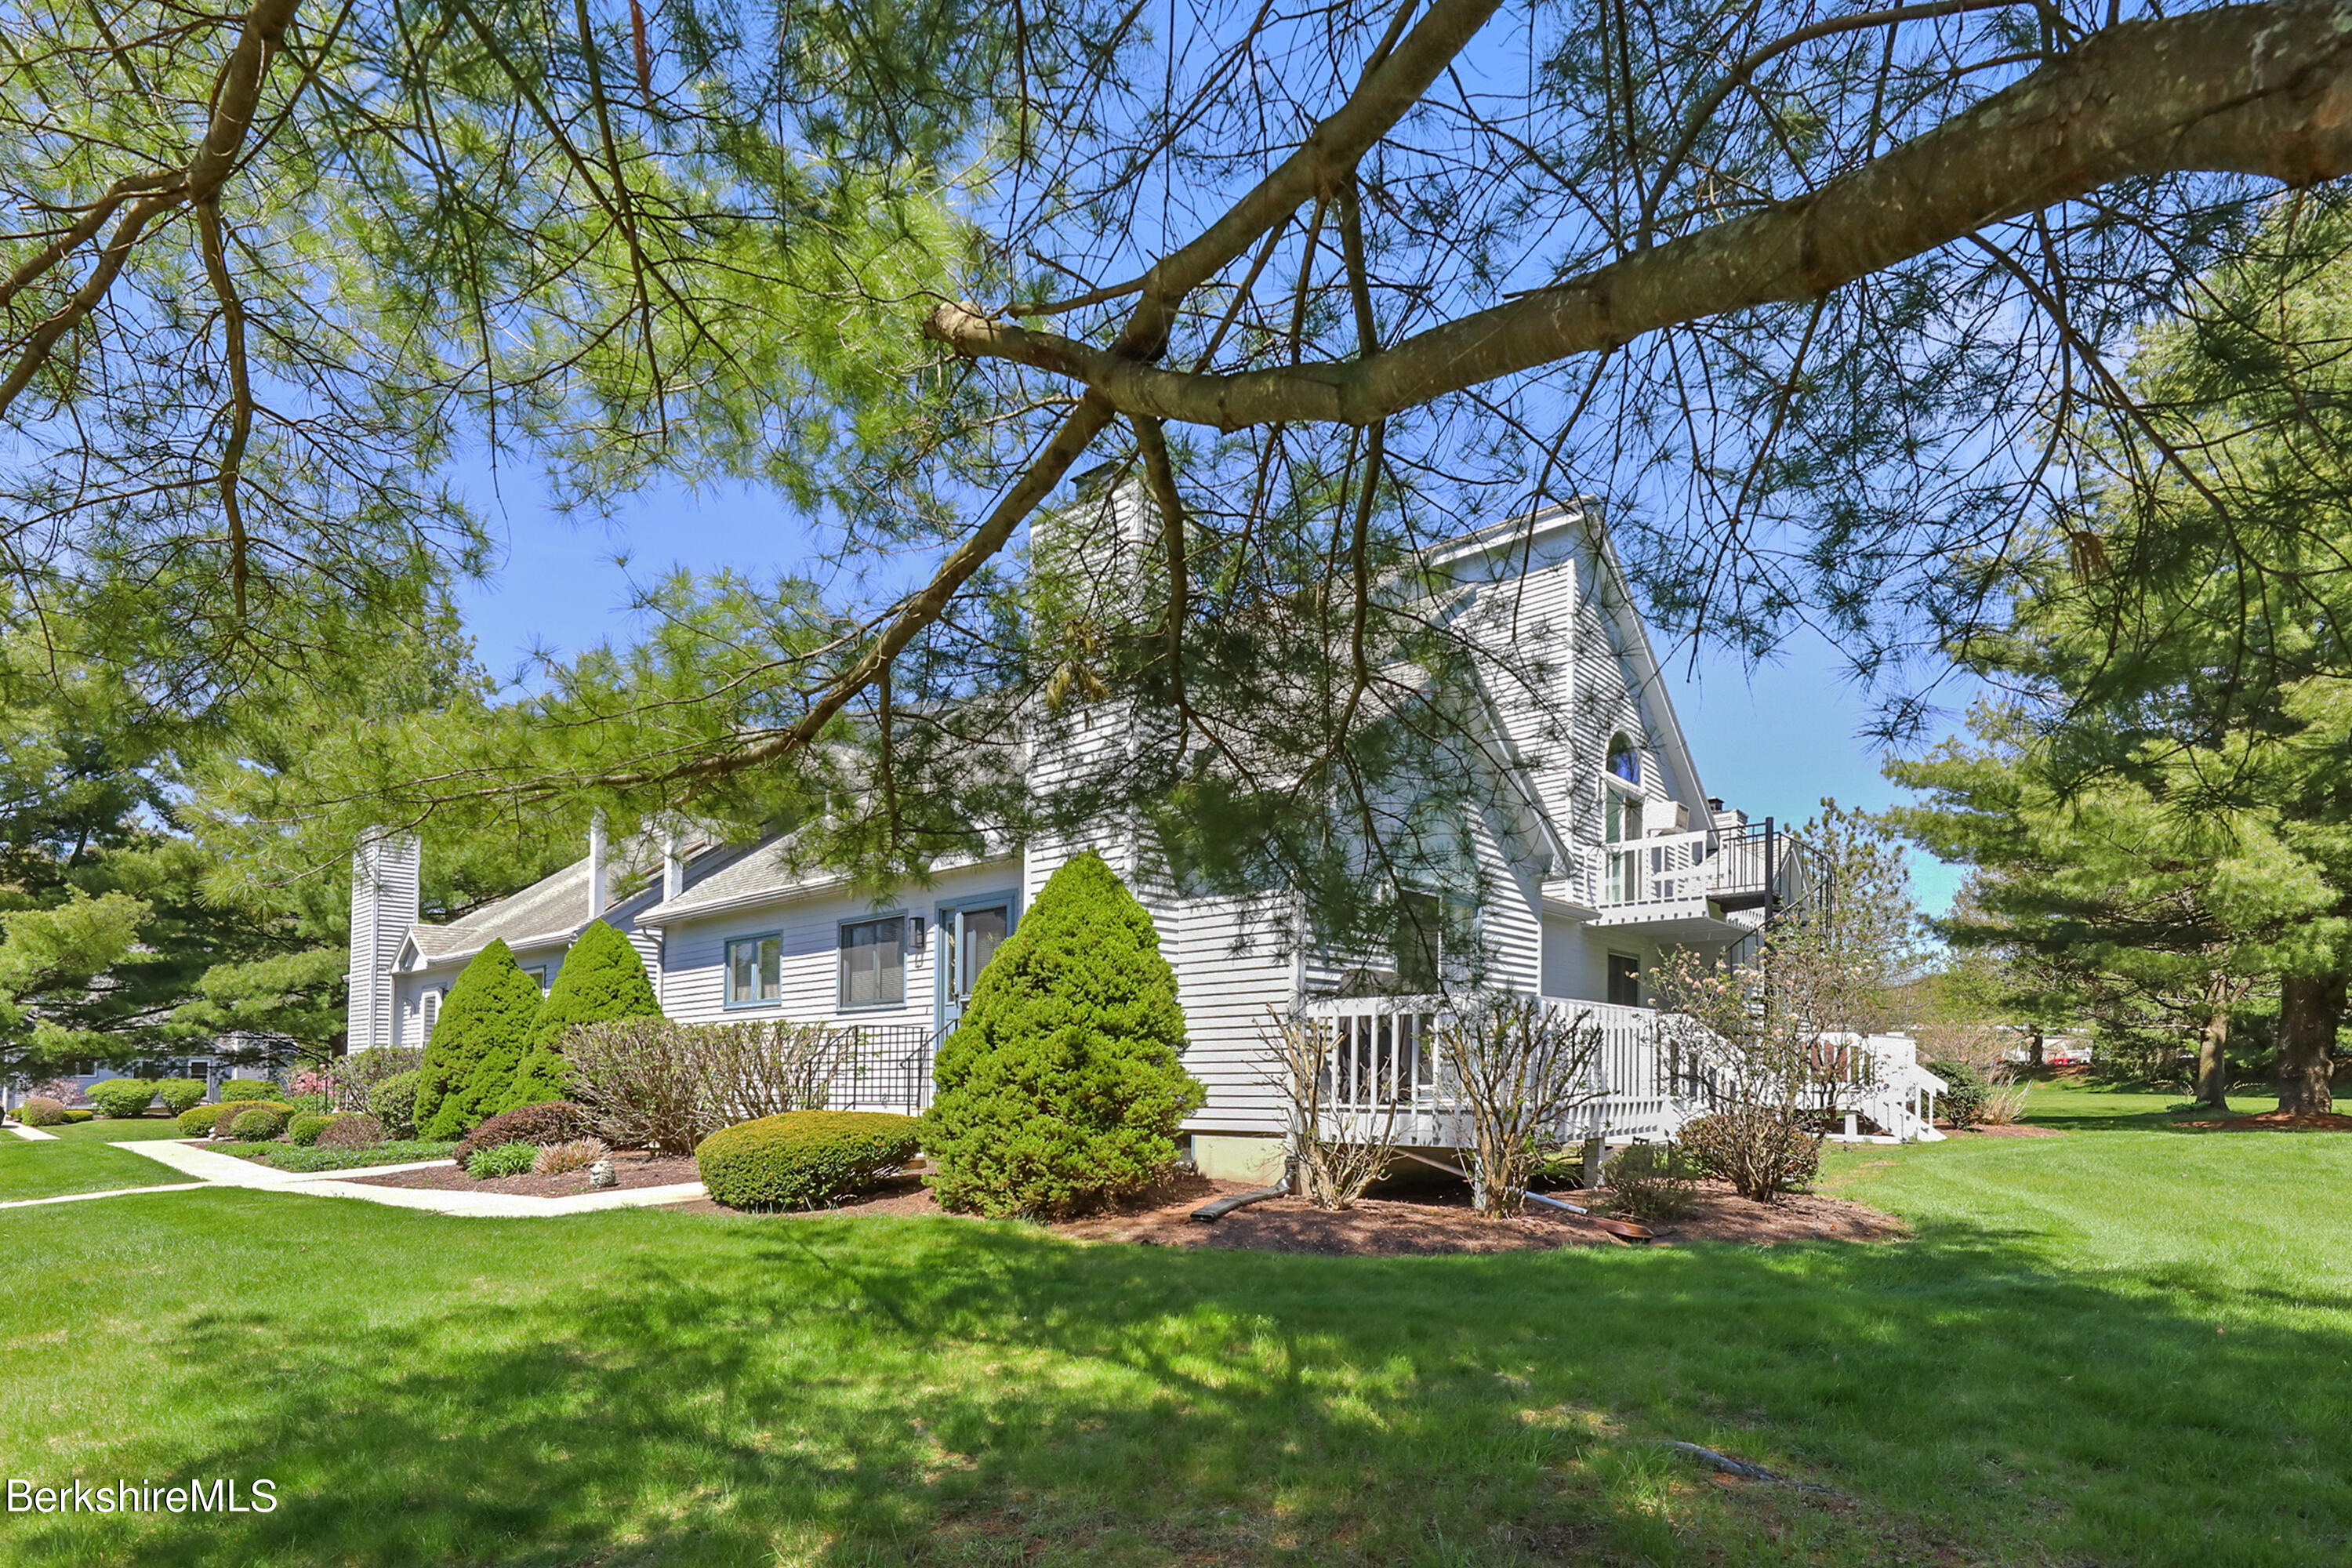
(765, 1068)
(1340, 1151)
(650, 1083)
(1517, 1069)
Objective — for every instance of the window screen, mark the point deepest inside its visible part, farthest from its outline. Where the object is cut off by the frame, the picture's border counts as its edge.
(874, 963)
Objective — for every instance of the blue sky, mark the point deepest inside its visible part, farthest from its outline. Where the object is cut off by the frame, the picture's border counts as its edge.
(1772, 742)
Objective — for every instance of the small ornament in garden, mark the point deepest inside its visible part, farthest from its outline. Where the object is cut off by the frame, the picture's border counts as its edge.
(599, 1174)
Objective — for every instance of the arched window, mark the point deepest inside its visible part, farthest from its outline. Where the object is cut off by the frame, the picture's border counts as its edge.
(1624, 762)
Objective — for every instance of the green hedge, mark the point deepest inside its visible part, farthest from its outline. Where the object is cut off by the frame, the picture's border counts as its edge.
(804, 1158)
(1967, 1090)
(120, 1098)
(248, 1089)
(76, 1116)
(197, 1121)
(180, 1094)
(257, 1123)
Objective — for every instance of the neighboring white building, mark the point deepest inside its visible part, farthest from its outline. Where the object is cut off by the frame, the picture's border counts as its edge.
(1613, 851)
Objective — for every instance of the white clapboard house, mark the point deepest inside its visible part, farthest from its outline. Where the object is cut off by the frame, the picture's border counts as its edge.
(1613, 851)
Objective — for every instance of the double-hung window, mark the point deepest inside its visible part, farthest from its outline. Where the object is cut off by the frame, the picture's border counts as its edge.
(755, 971)
(874, 963)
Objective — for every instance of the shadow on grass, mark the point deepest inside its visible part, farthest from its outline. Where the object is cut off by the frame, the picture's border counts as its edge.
(651, 1389)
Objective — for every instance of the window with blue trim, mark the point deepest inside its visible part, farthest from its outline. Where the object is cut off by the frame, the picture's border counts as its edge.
(874, 963)
(755, 971)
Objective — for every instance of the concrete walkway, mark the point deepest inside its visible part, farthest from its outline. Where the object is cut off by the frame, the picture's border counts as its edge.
(228, 1170)
(34, 1134)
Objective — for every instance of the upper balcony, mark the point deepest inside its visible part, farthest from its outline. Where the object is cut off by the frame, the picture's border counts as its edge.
(1711, 884)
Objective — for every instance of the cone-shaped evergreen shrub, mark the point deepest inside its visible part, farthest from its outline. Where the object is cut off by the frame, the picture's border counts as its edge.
(1062, 1087)
(476, 1044)
(602, 979)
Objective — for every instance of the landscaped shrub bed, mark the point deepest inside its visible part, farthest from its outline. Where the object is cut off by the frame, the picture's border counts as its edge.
(41, 1112)
(120, 1098)
(292, 1157)
(237, 1089)
(255, 1122)
(501, 1160)
(545, 1122)
(197, 1121)
(357, 1130)
(803, 1159)
(393, 1103)
(304, 1128)
(180, 1095)
(1759, 1152)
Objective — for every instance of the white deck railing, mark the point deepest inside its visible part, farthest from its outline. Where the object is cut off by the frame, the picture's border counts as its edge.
(1383, 1061)
(1384, 1051)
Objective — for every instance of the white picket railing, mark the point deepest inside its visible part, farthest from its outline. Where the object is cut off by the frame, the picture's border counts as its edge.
(1383, 1062)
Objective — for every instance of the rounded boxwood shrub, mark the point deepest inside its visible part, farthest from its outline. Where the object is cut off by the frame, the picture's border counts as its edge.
(180, 1094)
(393, 1103)
(549, 1122)
(40, 1110)
(478, 1042)
(120, 1098)
(257, 1123)
(602, 979)
(506, 1160)
(237, 1089)
(804, 1158)
(197, 1122)
(356, 1131)
(1062, 1087)
(306, 1127)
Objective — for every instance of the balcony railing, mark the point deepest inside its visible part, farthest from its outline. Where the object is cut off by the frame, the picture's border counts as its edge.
(1751, 867)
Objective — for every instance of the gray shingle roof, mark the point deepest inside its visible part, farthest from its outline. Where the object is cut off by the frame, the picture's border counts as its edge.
(555, 908)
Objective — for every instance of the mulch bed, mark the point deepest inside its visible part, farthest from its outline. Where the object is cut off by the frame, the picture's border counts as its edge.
(2277, 1122)
(633, 1169)
(1431, 1221)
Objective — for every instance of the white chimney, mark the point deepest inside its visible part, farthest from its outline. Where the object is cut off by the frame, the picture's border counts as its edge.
(598, 884)
(673, 865)
(384, 905)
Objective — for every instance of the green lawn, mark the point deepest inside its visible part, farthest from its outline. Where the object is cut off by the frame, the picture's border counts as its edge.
(2128, 1345)
(106, 1129)
(80, 1161)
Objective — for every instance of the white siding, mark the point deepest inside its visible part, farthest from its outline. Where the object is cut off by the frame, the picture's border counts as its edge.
(694, 987)
(1233, 965)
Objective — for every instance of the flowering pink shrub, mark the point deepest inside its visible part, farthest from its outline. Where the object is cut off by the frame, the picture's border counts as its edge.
(64, 1090)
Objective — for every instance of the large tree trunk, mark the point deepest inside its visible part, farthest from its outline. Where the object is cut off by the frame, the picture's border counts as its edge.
(2309, 1011)
(2212, 1069)
(2038, 1046)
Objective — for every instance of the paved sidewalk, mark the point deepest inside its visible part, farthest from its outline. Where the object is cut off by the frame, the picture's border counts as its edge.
(34, 1134)
(228, 1170)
